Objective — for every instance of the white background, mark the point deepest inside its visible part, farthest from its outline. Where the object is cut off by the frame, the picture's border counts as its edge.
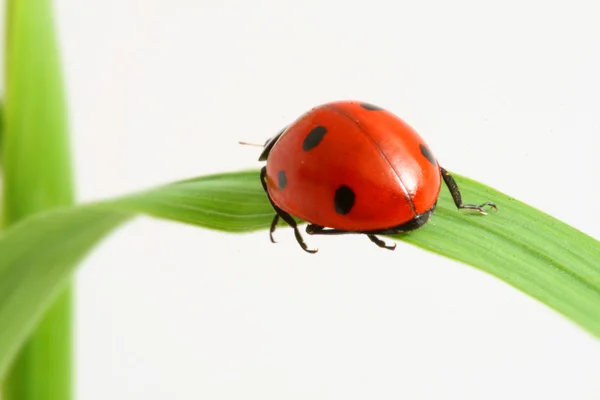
(506, 92)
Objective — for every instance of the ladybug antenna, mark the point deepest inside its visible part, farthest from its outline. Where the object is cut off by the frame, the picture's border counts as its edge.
(251, 144)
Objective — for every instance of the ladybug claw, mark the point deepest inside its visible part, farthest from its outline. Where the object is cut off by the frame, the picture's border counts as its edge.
(479, 208)
(273, 226)
(311, 251)
(392, 247)
(491, 205)
(381, 243)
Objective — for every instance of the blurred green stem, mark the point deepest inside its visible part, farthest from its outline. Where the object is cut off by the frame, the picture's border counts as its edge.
(37, 177)
(43, 368)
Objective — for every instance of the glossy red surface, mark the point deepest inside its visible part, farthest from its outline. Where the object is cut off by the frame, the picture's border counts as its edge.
(373, 152)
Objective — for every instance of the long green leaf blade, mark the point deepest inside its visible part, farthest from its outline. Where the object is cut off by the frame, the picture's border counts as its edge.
(36, 177)
(37, 164)
(31, 277)
(530, 250)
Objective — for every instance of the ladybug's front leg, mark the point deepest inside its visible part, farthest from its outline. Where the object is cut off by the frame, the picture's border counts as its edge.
(273, 226)
(284, 215)
(453, 187)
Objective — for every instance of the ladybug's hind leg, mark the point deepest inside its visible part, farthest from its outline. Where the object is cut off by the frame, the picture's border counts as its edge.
(313, 229)
(453, 187)
(284, 215)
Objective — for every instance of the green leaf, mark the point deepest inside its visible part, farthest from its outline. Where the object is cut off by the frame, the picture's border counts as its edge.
(37, 165)
(36, 177)
(38, 258)
(1, 130)
(530, 250)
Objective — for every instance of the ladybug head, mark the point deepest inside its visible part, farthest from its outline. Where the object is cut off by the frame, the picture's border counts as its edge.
(269, 145)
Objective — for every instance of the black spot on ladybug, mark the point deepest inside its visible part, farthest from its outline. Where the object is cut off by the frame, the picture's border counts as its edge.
(371, 107)
(428, 154)
(313, 138)
(281, 180)
(343, 200)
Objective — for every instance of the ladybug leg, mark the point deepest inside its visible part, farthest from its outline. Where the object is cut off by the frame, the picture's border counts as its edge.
(285, 216)
(273, 226)
(313, 229)
(381, 243)
(453, 187)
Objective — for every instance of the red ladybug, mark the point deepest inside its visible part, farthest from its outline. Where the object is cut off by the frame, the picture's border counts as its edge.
(352, 167)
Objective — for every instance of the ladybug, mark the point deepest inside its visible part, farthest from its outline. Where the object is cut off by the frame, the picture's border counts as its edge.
(352, 167)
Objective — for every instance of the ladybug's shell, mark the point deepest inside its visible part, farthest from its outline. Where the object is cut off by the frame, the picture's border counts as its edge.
(386, 171)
